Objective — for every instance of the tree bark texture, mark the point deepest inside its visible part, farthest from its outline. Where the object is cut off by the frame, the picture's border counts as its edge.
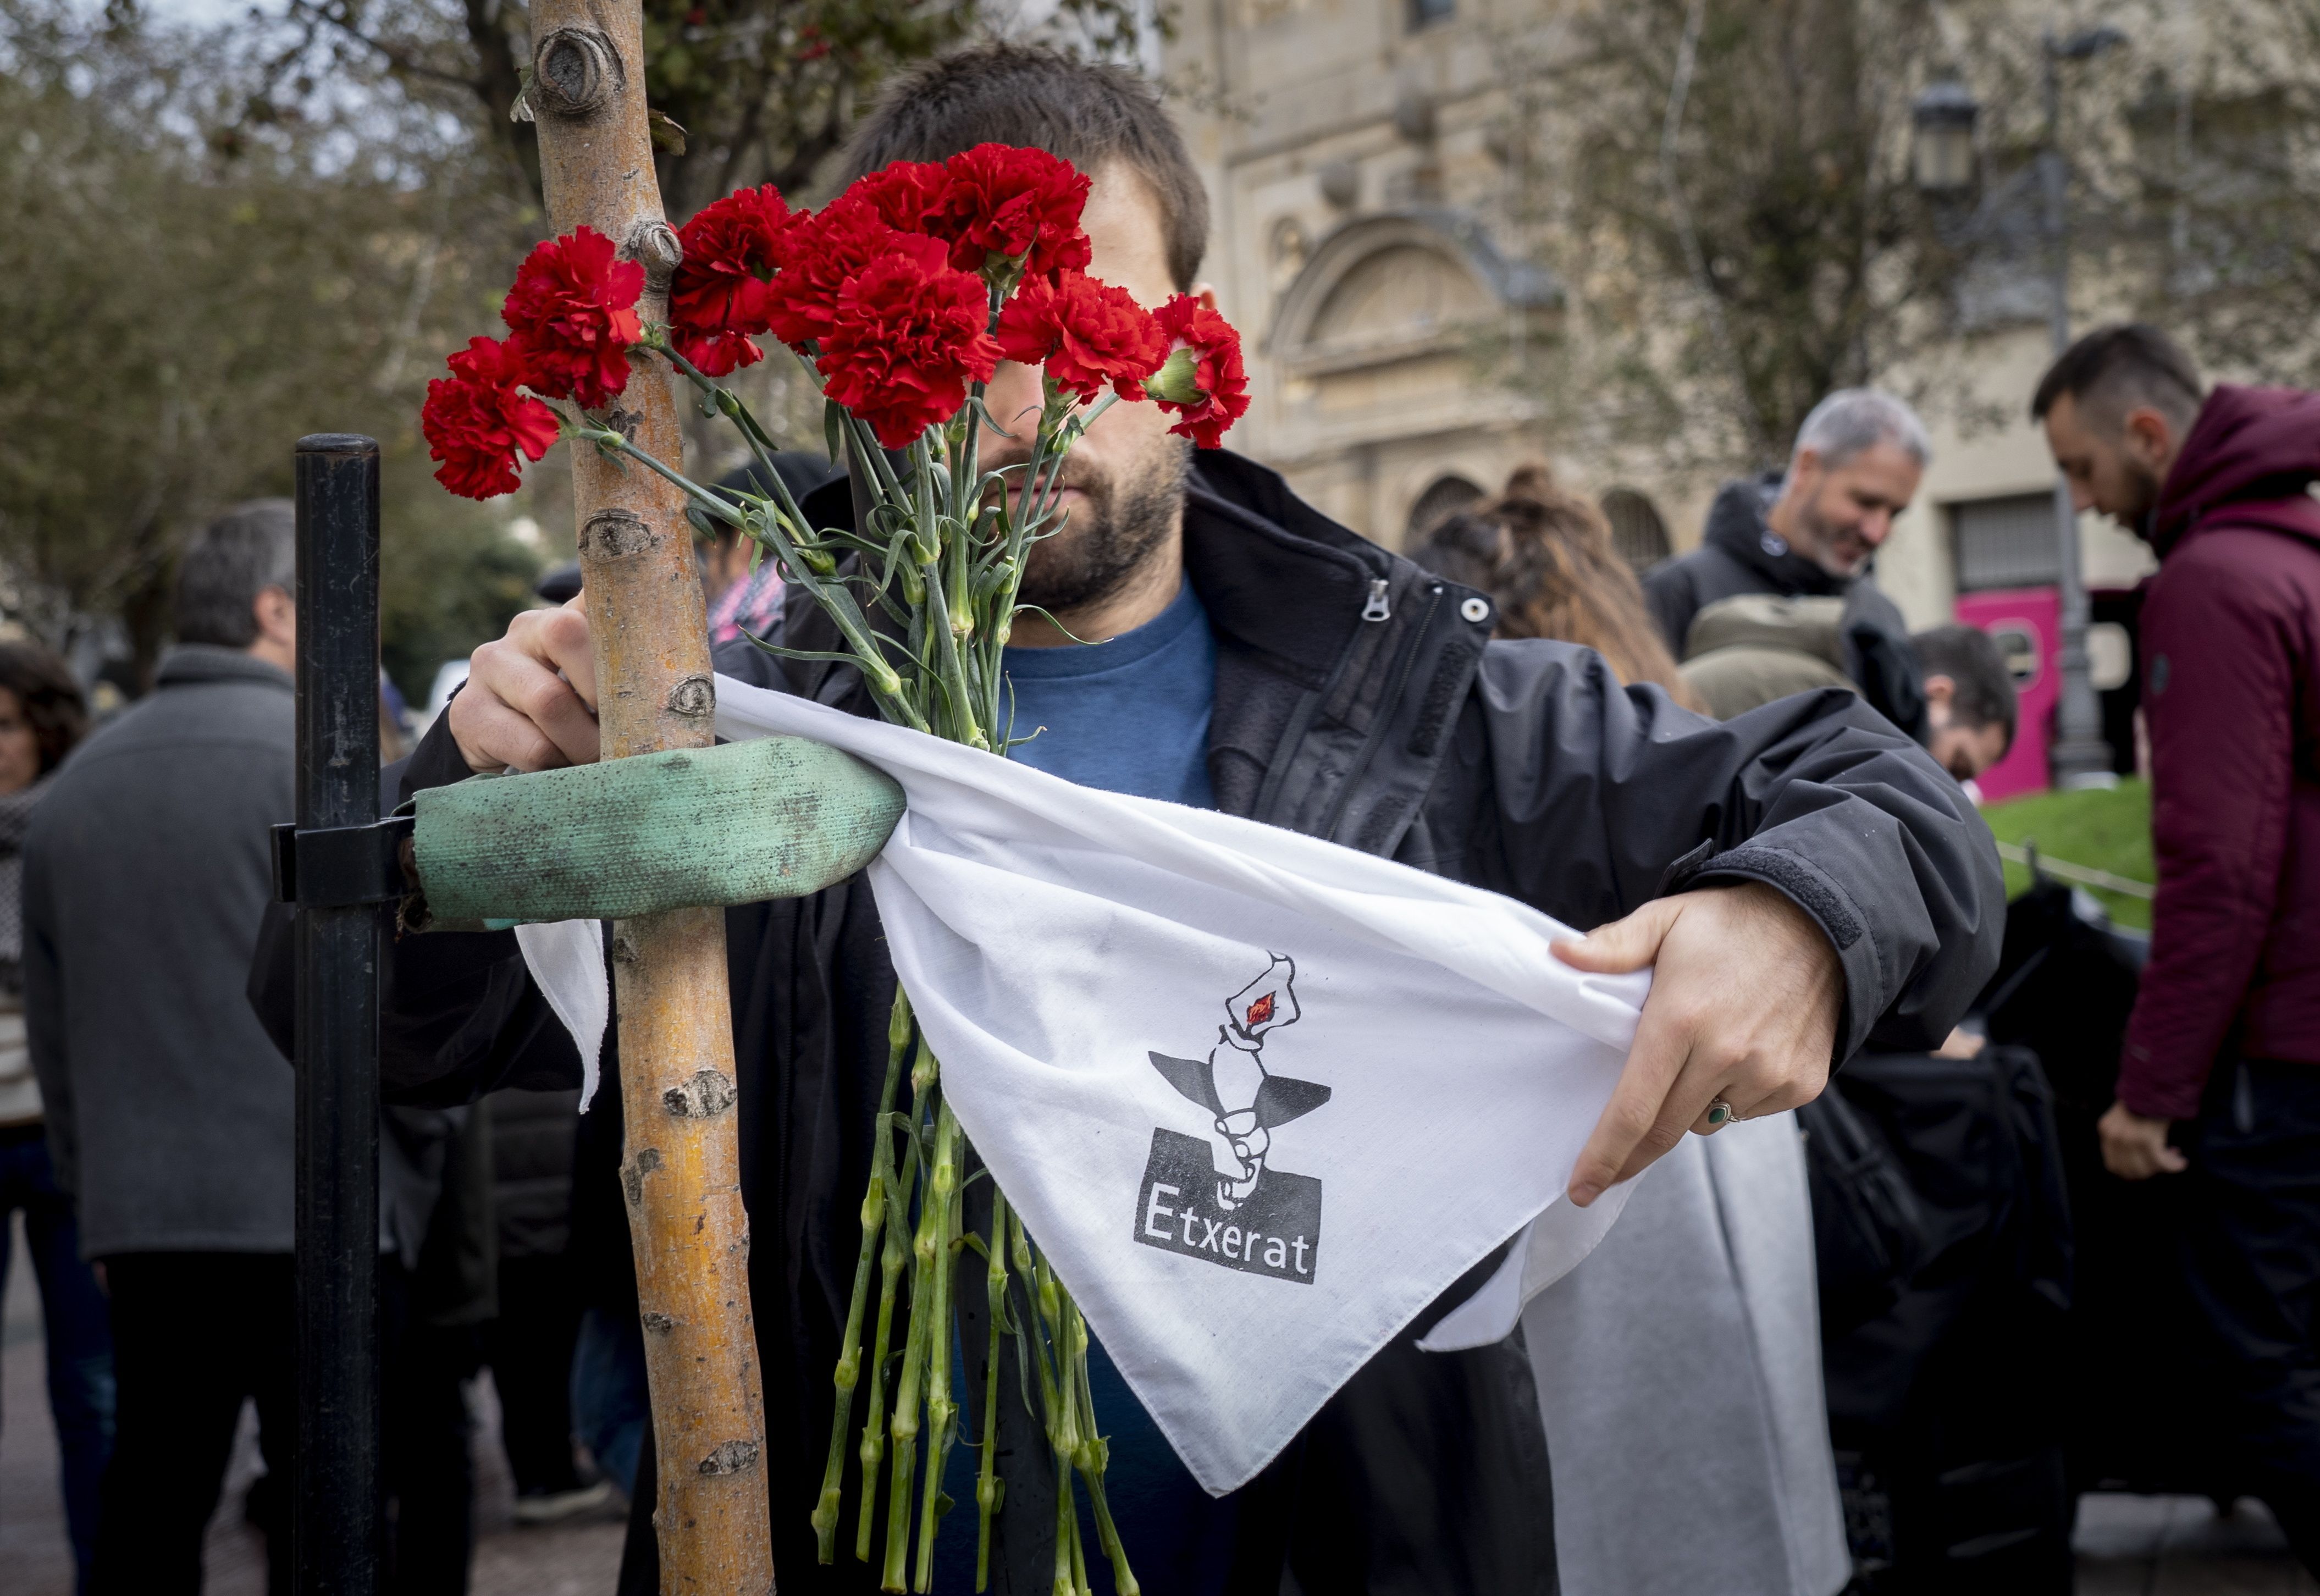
(680, 1169)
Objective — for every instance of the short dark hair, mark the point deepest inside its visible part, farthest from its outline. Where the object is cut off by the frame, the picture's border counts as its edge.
(1089, 113)
(1982, 688)
(50, 698)
(2116, 368)
(249, 549)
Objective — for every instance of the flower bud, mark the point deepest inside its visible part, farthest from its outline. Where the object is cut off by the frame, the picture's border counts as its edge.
(1177, 380)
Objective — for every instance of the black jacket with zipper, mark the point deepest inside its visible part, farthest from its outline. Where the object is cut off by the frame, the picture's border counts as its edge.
(1357, 698)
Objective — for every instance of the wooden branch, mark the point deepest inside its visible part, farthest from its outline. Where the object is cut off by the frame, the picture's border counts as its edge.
(680, 1169)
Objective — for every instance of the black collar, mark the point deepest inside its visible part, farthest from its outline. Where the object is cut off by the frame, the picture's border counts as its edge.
(211, 662)
(1275, 576)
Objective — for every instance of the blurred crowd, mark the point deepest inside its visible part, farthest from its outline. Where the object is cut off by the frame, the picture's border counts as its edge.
(1881, 1343)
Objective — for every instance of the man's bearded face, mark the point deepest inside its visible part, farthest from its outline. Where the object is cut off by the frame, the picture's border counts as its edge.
(1114, 517)
(1845, 512)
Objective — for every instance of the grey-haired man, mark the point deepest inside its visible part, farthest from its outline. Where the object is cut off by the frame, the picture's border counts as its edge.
(1811, 531)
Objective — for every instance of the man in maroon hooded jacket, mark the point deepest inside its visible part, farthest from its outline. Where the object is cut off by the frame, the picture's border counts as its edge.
(2220, 1073)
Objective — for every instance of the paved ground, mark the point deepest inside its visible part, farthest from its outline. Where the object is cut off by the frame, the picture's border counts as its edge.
(2127, 1545)
(579, 1558)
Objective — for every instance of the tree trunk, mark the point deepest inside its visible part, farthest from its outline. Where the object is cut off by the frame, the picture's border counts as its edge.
(680, 1173)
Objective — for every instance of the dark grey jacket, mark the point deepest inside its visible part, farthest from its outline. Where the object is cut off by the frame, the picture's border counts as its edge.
(1740, 553)
(1521, 767)
(532, 1135)
(146, 875)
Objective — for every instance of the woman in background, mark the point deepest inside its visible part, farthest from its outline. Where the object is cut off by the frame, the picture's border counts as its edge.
(1678, 1367)
(1544, 555)
(41, 716)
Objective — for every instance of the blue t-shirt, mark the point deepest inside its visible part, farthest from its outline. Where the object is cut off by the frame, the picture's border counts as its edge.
(1130, 715)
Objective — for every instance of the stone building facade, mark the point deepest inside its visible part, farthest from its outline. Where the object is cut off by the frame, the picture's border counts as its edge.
(1366, 244)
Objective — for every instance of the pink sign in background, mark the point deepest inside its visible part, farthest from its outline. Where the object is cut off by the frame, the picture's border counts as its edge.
(2026, 621)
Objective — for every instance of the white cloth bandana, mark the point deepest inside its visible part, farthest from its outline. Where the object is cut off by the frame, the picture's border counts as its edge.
(1262, 1098)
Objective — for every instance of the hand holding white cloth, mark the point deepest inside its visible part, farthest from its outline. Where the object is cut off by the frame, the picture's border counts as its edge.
(1262, 1098)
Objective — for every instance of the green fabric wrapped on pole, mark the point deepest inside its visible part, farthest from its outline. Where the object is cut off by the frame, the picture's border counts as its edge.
(776, 817)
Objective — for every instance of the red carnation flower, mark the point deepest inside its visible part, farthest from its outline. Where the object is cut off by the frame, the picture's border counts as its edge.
(907, 337)
(904, 194)
(1085, 333)
(1008, 201)
(476, 424)
(717, 353)
(825, 252)
(1202, 379)
(573, 312)
(718, 298)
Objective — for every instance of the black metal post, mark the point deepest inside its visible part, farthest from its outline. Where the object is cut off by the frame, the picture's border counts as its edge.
(2080, 757)
(337, 1536)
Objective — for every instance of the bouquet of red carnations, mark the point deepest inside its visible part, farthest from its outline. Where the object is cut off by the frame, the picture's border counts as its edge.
(900, 297)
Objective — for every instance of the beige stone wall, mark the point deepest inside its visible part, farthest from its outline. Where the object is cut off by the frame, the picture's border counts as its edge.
(1342, 151)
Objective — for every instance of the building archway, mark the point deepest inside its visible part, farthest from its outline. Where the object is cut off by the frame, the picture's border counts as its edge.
(1639, 532)
(1392, 285)
(1443, 497)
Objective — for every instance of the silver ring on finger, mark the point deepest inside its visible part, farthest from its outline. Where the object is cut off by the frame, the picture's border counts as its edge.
(1719, 1114)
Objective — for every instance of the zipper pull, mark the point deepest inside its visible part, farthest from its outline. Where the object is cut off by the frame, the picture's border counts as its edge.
(1377, 607)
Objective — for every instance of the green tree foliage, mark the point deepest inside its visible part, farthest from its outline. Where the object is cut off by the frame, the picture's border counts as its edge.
(1727, 187)
(750, 91)
(187, 292)
(1730, 181)
(2213, 181)
(223, 239)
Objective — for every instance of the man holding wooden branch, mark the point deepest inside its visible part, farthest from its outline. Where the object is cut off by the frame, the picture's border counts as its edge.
(1802, 880)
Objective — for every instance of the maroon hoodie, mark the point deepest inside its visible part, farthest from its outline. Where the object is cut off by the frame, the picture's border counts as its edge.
(2231, 686)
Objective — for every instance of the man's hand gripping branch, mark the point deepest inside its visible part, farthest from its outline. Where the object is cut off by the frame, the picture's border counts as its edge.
(531, 699)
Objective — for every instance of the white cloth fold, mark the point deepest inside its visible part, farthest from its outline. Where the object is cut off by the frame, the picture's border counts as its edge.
(1263, 1099)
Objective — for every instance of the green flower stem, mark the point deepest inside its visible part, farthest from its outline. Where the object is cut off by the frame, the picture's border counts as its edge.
(1094, 1456)
(988, 1487)
(1062, 1421)
(873, 1222)
(890, 1266)
(604, 438)
(942, 1408)
(954, 673)
(1068, 1530)
(908, 1391)
(879, 676)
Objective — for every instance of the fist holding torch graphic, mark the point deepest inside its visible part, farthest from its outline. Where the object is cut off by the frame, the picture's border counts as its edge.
(1232, 1082)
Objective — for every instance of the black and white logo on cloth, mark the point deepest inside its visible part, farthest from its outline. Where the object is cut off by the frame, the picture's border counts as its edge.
(1247, 1215)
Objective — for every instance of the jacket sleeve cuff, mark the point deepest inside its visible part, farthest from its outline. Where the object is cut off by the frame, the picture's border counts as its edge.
(2161, 1088)
(1822, 899)
(437, 761)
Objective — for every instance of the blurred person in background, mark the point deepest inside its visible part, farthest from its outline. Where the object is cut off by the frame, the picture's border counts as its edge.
(1545, 555)
(146, 875)
(1710, 1269)
(743, 599)
(529, 1345)
(437, 1295)
(1813, 531)
(2219, 1078)
(41, 717)
(1754, 649)
(612, 1406)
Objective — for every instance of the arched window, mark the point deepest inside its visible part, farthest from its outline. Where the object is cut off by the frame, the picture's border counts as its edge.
(1637, 533)
(1439, 502)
